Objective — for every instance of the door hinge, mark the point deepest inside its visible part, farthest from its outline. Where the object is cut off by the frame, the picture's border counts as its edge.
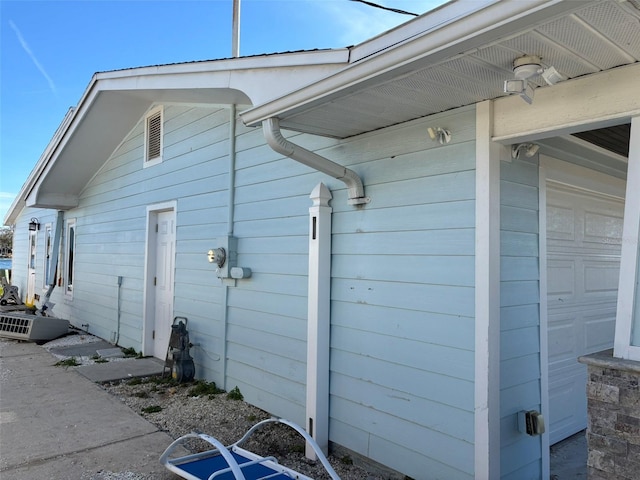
(153, 335)
(156, 228)
(155, 281)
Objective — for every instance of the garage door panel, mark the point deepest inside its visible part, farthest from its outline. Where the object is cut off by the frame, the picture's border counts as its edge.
(560, 225)
(567, 407)
(602, 228)
(561, 280)
(601, 278)
(583, 245)
(560, 345)
(599, 330)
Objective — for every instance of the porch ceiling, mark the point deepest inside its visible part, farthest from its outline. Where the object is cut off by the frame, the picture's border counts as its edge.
(615, 139)
(577, 38)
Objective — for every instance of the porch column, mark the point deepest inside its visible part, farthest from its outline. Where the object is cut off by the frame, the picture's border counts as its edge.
(319, 319)
(487, 297)
(627, 336)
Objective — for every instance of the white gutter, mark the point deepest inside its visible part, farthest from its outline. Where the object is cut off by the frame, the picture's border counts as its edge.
(273, 135)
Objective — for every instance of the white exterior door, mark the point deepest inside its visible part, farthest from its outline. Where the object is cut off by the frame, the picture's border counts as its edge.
(584, 231)
(163, 282)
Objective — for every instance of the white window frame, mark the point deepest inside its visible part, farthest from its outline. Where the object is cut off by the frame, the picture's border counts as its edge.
(148, 162)
(48, 251)
(70, 250)
(32, 261)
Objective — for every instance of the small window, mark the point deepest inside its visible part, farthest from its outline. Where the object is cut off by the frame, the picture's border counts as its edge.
(33, 248)
(153, 137)
(48, 249)
(70, 260)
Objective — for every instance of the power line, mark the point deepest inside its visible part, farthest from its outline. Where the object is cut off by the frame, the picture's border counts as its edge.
(395, 10)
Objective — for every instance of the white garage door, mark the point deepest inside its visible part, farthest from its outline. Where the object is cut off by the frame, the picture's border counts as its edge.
(584, 231)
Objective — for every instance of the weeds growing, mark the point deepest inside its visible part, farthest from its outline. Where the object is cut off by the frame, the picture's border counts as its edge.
(235, 394)
(202, 387)
(152, 409)
(69, 362)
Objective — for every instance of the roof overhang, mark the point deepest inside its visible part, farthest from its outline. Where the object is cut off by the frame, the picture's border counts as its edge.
(459, 54)
(114, 102)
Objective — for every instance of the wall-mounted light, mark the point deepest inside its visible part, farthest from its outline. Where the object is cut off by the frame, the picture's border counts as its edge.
(34, 225)
(529, 149)
(439, 134)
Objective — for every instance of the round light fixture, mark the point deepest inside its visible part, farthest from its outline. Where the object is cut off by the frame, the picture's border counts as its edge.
(527, 67)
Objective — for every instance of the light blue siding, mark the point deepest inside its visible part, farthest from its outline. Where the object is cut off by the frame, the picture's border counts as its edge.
(520, 326)
(402, 302)
(111, 232)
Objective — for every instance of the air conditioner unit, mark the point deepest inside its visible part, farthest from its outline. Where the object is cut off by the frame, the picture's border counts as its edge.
(23, 326)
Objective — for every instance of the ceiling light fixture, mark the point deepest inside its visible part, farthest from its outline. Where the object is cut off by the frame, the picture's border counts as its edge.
(526, 67)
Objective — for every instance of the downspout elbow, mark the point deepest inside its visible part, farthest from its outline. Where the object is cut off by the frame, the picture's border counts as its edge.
(273, 135)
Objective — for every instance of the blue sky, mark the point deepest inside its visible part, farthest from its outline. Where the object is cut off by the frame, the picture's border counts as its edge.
(50, 49)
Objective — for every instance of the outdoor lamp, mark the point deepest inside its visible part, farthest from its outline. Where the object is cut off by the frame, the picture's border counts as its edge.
(34, 225)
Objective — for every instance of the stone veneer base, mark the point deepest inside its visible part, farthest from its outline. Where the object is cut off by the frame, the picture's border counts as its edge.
(613, 407)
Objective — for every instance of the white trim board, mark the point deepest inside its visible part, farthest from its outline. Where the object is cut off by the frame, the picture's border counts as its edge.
(544, 321)
(604, 99)
(629, 256)
(576, 176)
(487, 299)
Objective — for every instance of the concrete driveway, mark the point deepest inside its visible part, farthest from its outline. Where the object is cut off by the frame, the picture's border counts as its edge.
(58, 424)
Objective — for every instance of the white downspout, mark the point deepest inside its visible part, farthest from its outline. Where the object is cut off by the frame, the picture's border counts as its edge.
(271, 129)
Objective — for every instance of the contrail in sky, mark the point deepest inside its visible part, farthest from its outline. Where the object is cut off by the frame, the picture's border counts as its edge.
(33, 58)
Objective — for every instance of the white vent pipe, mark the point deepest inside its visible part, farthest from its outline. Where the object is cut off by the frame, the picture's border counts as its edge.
(271, 129)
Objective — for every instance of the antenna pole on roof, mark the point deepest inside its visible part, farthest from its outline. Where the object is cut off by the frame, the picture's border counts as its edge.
(235, 40)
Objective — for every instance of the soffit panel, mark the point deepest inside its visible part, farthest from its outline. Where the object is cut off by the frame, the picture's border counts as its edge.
(592, 39)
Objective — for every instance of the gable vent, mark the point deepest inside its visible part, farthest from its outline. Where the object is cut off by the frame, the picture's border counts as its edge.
(154, 136)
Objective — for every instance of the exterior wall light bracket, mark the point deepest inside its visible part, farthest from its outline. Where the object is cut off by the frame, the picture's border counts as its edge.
(34, 225)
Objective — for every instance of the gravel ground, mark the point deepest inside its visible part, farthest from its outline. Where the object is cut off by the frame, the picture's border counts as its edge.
(184, 408)
(179, 409)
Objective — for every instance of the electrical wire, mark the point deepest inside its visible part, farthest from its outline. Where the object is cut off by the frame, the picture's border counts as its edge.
(395, 10)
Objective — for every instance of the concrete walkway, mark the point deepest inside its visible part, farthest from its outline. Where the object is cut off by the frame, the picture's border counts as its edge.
(58, 424)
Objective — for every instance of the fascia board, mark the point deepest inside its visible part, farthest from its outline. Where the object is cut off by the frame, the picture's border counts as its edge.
(434, 45)
(276, 60)
(226, 73)
(43, 162)
(598, 100)
(432, 20)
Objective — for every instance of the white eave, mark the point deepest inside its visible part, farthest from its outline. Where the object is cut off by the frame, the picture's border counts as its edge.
(459, 54)
(114, 102)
